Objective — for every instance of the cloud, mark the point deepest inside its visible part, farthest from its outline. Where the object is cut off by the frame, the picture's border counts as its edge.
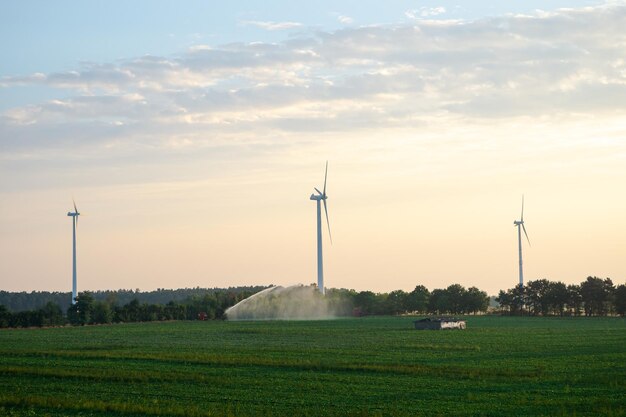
(568, 62)
(346, 20)
(272, 25)
(424, 12)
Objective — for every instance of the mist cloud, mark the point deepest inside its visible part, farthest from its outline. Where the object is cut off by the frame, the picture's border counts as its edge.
(296, 302)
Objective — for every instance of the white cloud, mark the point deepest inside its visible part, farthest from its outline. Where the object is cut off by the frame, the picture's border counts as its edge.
(272, 25)
(566, 62)
(424, 12)
(345, 20)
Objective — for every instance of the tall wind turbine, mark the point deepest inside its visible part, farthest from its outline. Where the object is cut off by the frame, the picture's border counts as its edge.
(321, 196)
(520, 226)
(74, 215)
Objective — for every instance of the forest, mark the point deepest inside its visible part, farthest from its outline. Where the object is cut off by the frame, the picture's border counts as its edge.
(592, 297)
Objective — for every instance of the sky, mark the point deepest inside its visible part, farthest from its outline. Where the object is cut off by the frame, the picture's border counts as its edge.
(191, 135)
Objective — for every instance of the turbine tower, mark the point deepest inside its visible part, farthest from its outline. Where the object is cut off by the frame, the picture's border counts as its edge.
(321, 196)
(74, 215)
(520, 226)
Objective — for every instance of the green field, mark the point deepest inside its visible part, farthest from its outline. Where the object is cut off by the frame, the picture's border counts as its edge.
(499, 366)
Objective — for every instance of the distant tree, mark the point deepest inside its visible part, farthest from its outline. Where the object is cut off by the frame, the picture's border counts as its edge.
(80, 312)
(29, 318)
(133, 310)
(596, 294)
(456, 295)
(156, 312)
(110, 297)
(574, 299)
(396, 302)
(619, 300)
(417, 300)
(557, 297)
(520, 299)
(438, 302)
(174, 311)
(72, 315)
(536, 298)
(5, 317)
(367, 302)
(475, 300)
(505, 301)
(52, 314)
(102, 313)
(513, 300)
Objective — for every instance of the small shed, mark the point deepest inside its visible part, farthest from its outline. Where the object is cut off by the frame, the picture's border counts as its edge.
(439, 323)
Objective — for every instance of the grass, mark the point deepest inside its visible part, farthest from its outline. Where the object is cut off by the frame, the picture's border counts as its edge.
(374, 366)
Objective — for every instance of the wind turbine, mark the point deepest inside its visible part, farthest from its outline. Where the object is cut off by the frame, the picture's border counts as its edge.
(520, 226)
(321, 196)
(74, 215)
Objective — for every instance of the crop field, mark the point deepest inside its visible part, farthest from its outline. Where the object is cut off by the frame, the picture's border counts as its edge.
(378, 366)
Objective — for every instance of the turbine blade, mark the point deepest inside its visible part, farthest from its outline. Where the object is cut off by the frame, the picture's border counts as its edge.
(325, 175)
(522, 219)
(524, 229)
(75, 209)
(327, 222)
(318, 191)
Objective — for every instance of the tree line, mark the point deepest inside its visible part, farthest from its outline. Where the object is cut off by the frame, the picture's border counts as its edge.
(205, 304)
(454, 299)
(212, 304)
(592, 297)
(23, 301)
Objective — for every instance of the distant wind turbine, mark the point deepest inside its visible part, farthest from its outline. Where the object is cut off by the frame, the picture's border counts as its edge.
(321, 196)
(520, 226)
(74, 215)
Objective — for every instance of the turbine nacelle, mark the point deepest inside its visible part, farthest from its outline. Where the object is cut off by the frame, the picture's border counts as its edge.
(318, 197)
(75, 213)
(520, 222)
